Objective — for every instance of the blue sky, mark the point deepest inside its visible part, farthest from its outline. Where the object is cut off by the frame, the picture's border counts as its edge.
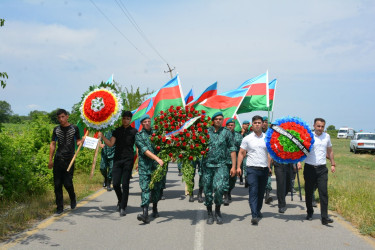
(321, 52)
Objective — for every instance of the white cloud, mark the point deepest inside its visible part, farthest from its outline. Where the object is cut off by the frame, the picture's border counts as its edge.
(33, 106)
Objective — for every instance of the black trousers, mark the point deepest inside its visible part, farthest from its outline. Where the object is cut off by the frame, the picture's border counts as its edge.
(121, 173)
(62, 177)
(316, 175)
(283, 174)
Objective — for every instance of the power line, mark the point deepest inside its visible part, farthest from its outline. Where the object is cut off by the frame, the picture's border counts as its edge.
(114, 26)
(136, 26)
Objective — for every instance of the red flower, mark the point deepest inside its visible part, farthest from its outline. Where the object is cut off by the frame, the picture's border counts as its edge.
(170, 155)
(199, 129)
(208, 136)
(156, 127)
(190, 115)
(184, 144)
(161, 112)
(200, 137)
(203, 141)
(152, 138)
(178, 144)
(185, 130)
(181, 133)
(155, 119)
(159, 136)
(206, 149)
(153, 134)
(209, 118)
(203, 152)
(182, 138)
(180, 156)
(187, 135)
(196, 145)
(178, 107)
(162, 117)
(165, 125)
(194, 137)
(168, 142)
(183, 121)
(198, 125)
(172, 127)
(164, 139)
(192, 146)
(158, 148)
(205, 124)
(191, 158)
(169, 117)
(206, 131)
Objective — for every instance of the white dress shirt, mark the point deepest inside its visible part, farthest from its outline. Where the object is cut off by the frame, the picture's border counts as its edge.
(255, 146)
(318, 151)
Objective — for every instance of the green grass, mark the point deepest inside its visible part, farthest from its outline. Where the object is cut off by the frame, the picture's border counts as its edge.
(16, 216)
(351, 188)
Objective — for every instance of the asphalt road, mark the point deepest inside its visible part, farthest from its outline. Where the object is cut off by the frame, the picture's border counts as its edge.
(95, 224)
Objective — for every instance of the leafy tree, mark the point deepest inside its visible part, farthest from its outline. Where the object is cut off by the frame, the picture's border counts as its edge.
(5, 112)
(35, 113)
(53, 116)
(3, 75)
(132, 98)
(331, 127)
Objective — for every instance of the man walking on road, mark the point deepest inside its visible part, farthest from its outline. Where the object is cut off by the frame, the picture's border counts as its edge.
(215, 171)
(316, 172)
(147, 164)
(123, 138)
(258, 167)
(245, 131)
(65, 134)
(106, 163)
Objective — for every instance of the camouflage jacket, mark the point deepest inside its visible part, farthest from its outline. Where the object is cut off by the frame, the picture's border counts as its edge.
(142, 141)
(237, 137)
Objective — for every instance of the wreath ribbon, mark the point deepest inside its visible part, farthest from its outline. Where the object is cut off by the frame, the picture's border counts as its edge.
(291, 137)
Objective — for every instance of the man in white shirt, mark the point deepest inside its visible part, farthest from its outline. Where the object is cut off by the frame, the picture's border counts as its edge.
(316, 172)
(257, 167)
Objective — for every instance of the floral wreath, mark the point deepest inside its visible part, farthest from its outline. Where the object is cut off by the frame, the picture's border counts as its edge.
(101, 107)
(182, 134)
(289, 140)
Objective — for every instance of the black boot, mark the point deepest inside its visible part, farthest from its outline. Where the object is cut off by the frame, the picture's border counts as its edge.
(226, 201)
(144, 217)
(241, 180)
(210, 219)
(200, 197)
(109, 186)
(191, 198)
(267, 199)
(229, 196)
(155, 212)
(219, 219)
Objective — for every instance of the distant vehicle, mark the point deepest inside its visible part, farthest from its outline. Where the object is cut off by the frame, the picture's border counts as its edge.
(363, 142)
(345, 133)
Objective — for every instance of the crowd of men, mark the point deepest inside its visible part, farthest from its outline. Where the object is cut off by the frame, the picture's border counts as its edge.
(231, 154)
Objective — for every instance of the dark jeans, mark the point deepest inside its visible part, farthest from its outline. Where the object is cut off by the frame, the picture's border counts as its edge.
(121, 173)
(62, 177)
(283, 174)
(257, 179)
(316, 175)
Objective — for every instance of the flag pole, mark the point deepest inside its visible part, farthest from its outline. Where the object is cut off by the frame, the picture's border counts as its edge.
(243, 97)
(179, 85)
(274, 97)
(268, 99)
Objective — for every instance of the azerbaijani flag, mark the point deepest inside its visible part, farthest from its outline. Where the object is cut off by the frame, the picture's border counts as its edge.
(170, 94)
(272, 90)
(210, 91)
(227, 102)
(189, 97)
(257, 98)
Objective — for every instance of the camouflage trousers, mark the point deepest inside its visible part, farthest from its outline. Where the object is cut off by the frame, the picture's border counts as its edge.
(149, 195)
(231, 181)
(214, 182)
(106, 165)
(268, 186)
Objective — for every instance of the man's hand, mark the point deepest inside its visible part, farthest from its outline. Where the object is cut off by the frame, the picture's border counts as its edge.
(233, 172)
(160, 161)
(333, 168)
(50, 164)
(239, 172)
(299, 165)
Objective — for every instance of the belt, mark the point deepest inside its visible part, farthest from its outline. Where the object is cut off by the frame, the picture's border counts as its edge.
(315, 166)
(257, 168)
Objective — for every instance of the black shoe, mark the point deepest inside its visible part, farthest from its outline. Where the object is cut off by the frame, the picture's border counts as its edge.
(73, 204)
(155, 212)
(229, 196)
(118, 207)
(200, 197)
(309, 217)
(268, 199)
(260, 215)
(144, 217)
(191, 198)
(109, 186)
(254, 221)
(225, 199)
(282, 210)
(105, 182)
(327, 220)
(218, 217)
(59, 211)
(210, 219)
(241, 182)
(122, 212)
(314, 203)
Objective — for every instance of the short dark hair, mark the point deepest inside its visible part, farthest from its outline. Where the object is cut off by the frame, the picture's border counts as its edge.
(256, 117)
(127, 113)
(61, 111)
(319, 120)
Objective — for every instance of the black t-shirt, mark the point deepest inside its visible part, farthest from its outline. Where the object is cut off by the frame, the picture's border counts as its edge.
(65, 137)
(125, 139)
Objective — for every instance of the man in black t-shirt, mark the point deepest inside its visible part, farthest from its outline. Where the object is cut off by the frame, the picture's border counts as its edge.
(124, 138)
(65, 135)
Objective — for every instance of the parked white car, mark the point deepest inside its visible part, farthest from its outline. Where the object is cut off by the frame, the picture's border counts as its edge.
(363, 142)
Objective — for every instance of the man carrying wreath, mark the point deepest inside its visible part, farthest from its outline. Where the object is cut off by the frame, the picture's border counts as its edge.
(215, 171)
(147, 164)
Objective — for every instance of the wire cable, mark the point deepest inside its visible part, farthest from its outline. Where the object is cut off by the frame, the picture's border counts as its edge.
(114, 26)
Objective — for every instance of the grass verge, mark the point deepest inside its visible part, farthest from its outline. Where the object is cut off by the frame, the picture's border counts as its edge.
(17, 216)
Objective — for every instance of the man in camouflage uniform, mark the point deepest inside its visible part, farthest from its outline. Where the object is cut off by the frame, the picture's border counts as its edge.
(232, 179)
(215, 169)
(267, 199)
(245, 131)
(147, 164)
(197, 164)
(106, 163)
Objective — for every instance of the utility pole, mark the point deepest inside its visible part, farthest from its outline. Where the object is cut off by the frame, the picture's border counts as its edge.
(170, 70)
